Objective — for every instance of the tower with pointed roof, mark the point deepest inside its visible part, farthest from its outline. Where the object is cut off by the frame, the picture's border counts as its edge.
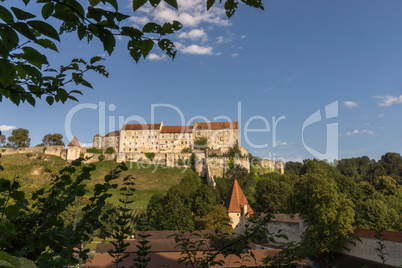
(74, 149)
(238, 208)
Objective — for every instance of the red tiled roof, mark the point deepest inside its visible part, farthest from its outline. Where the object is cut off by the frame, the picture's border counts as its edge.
(218, 125)
(113, 134)
(177, 129)
(141, 126)
(236, 200)
(386, 235)
(74, 142)
(98, 135)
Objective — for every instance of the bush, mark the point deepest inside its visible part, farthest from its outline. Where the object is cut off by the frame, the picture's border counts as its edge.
(180, 161)
(3, 150)
(150, 156)
(94, 150)
(82, 155)
(201, 143)
(101, 157)
(44, 149)
(29, 154)
(109, 150)
(186, 150)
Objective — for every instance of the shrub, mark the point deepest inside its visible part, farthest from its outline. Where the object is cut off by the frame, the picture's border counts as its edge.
(150, 156)
(212, 155)
(101, 157)
(201, 143)
(94, 150)
(44, 149)
(186, 150)
(82, 155)
(180, 161)
(29, 154)
(3, 150)
(110, 150)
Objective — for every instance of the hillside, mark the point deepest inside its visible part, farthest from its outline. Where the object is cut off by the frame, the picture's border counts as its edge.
(35, 171)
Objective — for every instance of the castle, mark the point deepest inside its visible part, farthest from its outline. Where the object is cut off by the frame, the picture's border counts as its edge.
(158, 138)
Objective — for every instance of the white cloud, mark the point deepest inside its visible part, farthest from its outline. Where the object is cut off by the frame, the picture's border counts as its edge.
(368, 131)
(243, 36)
(139, 20)
(234, 55)
(353, 132)
(195, 34)
(155, 57)
(194, 49)
(223, 40)
(350, 104)
(7, 128)
(218, 54)
(191, 13)
(380, 115)
(361, 132)
(281, 143)
(389, 100)
(87, 145)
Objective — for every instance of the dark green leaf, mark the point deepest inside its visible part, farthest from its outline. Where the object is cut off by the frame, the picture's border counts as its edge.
(152, 27)
(230, 7)
(9, 36)
(132, 32)
(46, 43)
(167, 46)
(146, 47)
(95, 59)
(154, 3)
(169, 28)
(62, 94)
(210, 3)
(47, 10)
(113, 3)
(173, 3)
(23, 29)
(65, 15)
(134, 46)
(21, 14)
(50, 100)
(30, 99)
(7, 73)
(120, 16)
(81, 31)
(34, 57)
(26, 2)
(44, 28)
(138, 3)
(254, 3)
(108, 40)
(6, 15)
(12, 211)
(77, 7)
(94, 2)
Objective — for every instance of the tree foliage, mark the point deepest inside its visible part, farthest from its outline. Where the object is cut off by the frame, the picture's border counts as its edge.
(19, 138)
(53, 139)
(26, 38)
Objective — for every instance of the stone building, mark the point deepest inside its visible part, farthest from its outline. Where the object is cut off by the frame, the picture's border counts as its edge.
(158, 138)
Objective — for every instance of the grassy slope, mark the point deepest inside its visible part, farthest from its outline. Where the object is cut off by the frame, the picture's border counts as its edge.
(34, 172)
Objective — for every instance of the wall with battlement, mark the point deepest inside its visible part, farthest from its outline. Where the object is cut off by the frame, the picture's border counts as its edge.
(51, 150)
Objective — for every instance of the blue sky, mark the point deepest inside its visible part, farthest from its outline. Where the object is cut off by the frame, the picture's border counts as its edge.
(288, 61)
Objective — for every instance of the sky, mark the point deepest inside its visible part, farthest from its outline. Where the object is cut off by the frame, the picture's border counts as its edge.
(305, 79)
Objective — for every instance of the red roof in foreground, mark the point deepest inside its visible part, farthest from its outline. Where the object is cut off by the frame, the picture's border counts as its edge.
(98, 135)
(141, 126)
(218, 125)
(74, 142)
(177, 129)
(236, 200)
(386, 235)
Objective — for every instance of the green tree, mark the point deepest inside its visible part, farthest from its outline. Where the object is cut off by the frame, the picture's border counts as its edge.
(218, 219)
(2, 140)
(25, 37)
(20, 138)
(293, 168)
(271, 196)
(386, 185)
(53, 139)
(328, 214)
(109, 150)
